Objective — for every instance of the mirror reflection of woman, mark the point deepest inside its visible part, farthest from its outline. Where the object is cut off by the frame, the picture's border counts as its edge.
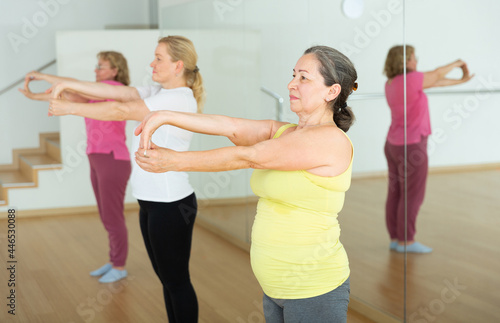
(418, 128)
(302, 172)
(109, 159)
(168, 205)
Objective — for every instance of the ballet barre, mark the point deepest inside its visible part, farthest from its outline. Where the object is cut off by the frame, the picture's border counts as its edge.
(279, 102)
(430, 93)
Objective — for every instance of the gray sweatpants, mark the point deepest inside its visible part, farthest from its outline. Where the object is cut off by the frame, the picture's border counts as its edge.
(327, 308)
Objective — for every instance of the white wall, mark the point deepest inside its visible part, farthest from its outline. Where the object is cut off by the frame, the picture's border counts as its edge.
(27, 29)
(442, 31)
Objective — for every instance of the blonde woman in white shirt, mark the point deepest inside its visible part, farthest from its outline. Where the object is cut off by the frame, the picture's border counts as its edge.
(167, 201)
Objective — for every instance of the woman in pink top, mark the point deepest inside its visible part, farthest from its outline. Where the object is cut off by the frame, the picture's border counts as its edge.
(418, 128)
(108, 157)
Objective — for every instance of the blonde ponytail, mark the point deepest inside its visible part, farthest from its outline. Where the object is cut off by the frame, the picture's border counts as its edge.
(198, 90)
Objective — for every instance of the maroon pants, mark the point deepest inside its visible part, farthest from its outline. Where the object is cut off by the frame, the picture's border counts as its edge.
(416, 177)
(109, 178)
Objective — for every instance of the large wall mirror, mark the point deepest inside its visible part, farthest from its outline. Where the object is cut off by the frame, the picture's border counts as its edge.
(458, 281)
(279, 32)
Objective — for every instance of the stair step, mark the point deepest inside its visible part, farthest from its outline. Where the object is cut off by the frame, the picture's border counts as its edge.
(40, 161)
(15, 178)
(54, 141)
(53, 148)
(23, 172)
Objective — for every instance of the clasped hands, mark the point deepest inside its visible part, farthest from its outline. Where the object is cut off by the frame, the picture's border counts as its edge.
(149, 156)
(31, 76)
(466, 76)
(58, 106)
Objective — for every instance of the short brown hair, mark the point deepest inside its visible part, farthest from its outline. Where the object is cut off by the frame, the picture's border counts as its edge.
(394, 64)
(118, 61)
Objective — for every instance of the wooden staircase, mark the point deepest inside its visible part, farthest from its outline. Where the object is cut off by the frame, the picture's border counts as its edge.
(26, 163)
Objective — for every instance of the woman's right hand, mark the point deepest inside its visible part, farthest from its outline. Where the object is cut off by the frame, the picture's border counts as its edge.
(148, 126)
(465, 70)
(60, 107)
(34, 76)
(459, 63)
(463, 66)
(465, 73)
(58, 88)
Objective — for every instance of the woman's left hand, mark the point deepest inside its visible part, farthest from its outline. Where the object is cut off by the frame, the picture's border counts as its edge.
(156, 159)
(465, 71)
(59, 107)
(34, 96)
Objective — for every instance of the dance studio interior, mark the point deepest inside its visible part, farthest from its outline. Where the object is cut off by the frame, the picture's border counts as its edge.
(51, 235)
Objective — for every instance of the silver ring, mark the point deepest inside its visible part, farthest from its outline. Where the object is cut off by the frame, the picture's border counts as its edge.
(145, 153)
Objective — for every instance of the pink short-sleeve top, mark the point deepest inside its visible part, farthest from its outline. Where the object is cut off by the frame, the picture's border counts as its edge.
(104, 137)
(418, 119)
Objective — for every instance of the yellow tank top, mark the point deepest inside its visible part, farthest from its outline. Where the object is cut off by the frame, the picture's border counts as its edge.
(296, 252)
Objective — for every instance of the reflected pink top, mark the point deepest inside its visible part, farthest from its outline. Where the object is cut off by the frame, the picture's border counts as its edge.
(418, 120)
(104, 137)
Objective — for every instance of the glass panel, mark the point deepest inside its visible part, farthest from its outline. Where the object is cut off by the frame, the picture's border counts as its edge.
(247, 52)
(377, 273)
(458, 281)
(229, 61)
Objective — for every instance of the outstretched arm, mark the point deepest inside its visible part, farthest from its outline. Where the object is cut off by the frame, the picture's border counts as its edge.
(35, 96)
(438, 76)
(109, 110)
(52, 79)
(242, 132)
(97, 90)
(298, 150)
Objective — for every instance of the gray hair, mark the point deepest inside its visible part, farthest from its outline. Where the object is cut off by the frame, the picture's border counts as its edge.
(336, 68)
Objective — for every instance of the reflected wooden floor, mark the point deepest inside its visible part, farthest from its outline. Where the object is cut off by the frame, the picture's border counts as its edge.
(55, 254)
(460, 280)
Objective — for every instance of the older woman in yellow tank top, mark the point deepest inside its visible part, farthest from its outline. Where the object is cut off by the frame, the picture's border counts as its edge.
(301, 174)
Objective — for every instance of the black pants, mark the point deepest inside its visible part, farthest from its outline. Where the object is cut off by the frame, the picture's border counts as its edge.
(167, 229)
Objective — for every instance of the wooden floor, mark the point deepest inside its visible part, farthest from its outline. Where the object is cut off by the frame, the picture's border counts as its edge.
(55, 254)
(458, 282)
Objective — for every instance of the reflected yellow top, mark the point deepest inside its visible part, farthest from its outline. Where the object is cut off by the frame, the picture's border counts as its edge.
(296, 252)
